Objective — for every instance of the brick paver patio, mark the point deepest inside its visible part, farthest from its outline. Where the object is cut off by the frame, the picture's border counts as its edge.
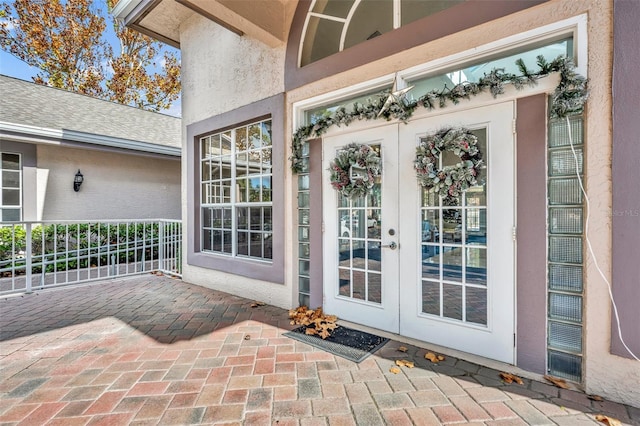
(154, 350)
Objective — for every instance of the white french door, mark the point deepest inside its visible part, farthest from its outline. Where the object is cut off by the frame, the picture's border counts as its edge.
(360, 253)
(404, 261)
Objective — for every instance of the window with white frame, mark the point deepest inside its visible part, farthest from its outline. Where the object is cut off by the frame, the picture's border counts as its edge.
(236, 191)
(11, 194)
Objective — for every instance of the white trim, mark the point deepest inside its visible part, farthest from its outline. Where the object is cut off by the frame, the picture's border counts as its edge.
(345, 28)
(327, 17)
(576, 25)
(32, 132)
(124, 7)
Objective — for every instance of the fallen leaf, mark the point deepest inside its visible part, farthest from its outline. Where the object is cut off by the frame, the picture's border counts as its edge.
(404, 363)
(402, 349)
(561, 383)
(510, 378)
(315, 321)
(247, 337)
(595, 397)
(433, 357)
(608, 420)
(256, 304)
(394, 370)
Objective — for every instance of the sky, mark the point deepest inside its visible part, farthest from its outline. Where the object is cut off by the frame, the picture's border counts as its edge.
(14, 67)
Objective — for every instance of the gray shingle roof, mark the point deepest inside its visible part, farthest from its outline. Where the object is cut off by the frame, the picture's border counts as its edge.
(27, 103)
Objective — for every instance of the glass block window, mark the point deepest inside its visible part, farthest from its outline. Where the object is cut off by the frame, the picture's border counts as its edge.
(11, 194)
(235, 191)
(565, 253)
(304, 281)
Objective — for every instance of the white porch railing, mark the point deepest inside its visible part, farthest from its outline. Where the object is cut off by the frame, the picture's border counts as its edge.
(37, 255)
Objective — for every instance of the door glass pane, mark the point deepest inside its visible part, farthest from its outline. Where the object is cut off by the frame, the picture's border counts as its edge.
(431, 297)
(476, 305)
(374, 287)
(359, 245)
(431, 261)
(452, 301)
(476, 266)
(454, 248)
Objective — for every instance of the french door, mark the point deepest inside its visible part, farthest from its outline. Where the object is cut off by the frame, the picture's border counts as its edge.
(406, 261)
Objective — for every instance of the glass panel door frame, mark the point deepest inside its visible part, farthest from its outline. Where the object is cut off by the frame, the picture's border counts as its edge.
(341, 233)
(496, 339)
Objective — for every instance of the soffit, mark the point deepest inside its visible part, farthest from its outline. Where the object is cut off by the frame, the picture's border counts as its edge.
(265, 20)
(161, 19)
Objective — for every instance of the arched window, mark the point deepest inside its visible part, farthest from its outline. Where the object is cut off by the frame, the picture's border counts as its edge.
(334, 25)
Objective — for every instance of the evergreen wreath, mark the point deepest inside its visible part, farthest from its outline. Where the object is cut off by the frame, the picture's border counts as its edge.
(361, 156)
(569, 97)
(449, 181)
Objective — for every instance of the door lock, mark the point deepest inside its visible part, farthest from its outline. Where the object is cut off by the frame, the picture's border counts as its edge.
(391, 245)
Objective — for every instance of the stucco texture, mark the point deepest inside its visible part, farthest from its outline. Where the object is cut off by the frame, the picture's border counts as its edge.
(222, 71)
(116, 186)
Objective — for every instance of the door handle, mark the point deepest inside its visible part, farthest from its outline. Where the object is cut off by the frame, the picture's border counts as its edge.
(391, 245)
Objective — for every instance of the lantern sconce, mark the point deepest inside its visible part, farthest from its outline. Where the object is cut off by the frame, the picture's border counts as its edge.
(77, 181)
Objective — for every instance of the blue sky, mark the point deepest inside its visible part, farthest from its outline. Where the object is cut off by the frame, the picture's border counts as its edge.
(14, 67)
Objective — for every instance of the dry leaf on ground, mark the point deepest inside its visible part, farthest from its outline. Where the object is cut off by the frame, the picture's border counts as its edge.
(561, 383)
(315, 321)
(595, 397)
(404, 363)
(402, 349)
(608, 420)
(433, 357)
(394, 370)
(256, 304)
(510, 378)
(247, 337)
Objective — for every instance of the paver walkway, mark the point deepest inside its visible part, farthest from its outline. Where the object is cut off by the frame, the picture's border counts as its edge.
(154, 350)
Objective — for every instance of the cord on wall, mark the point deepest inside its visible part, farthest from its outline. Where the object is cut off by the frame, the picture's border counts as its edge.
(593, 256)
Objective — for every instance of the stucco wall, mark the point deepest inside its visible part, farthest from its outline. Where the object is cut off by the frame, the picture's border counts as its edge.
(221, 72)
(116, 186)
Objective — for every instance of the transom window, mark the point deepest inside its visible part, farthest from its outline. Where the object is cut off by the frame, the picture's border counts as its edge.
(334, 25)
(236, 191)
(11, 194)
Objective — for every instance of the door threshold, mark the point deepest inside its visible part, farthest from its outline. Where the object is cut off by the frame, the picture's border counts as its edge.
(465, 356)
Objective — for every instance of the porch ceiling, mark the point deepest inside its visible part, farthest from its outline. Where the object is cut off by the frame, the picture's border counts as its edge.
(264, 20)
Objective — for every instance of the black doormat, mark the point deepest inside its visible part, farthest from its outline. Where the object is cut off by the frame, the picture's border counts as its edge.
(344, 342)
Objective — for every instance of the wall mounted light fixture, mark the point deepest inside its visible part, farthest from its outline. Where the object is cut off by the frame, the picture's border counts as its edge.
(77, 181)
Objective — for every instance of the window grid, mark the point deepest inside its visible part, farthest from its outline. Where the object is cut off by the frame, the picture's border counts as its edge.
(454, 235)
(236, 189)
(565, 245)
(11, 189)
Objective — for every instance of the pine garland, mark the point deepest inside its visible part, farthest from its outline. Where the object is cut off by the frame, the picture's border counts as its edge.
(569, 96)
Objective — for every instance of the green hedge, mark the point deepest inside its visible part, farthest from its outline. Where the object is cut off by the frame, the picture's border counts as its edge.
(79, 245)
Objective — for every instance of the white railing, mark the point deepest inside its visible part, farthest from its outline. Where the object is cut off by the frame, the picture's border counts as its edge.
(37, 255)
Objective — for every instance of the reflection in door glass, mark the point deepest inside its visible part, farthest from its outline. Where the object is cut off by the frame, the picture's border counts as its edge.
(454, 249)
(358, 239)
